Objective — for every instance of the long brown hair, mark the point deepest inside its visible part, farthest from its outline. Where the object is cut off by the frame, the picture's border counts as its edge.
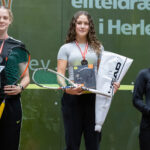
(91, 36)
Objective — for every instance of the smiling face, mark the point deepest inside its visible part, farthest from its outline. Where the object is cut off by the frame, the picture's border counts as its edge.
(5, 19)
(82, 27)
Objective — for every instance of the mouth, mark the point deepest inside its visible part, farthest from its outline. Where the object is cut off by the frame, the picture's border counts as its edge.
(82, 31)
(2, 26)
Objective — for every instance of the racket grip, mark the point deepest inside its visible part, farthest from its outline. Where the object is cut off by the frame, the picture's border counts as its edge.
(67, 87)
(95, 91)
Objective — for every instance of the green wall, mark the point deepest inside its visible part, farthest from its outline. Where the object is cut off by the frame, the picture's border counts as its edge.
(42, 25)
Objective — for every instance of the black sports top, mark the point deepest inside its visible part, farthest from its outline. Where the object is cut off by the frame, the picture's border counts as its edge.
(141, 92)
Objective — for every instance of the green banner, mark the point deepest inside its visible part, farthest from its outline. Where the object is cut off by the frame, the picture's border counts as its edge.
(123, 27)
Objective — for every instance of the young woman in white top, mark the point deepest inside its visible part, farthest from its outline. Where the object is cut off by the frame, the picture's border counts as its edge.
(81, 49)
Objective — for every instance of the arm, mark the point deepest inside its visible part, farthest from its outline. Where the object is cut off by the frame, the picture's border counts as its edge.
(16, 89)
(139, 92)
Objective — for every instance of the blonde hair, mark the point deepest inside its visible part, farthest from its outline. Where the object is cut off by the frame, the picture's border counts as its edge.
(9, 12)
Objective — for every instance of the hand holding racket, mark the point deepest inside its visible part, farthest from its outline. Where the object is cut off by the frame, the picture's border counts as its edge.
(50, 79)
(12, 89)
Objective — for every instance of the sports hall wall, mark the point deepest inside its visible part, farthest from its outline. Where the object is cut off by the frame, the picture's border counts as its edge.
(123, 26)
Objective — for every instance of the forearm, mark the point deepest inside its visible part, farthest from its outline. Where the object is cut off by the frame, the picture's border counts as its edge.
(16, 89)
(25, 81)
(141, 106)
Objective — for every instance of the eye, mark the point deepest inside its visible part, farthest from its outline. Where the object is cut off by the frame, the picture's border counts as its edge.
(78, 22)
(6, 17)
(86, 23)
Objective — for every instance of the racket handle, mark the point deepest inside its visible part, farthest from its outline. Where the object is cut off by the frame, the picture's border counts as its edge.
(95, 91)
(67, 87)
(2, 106)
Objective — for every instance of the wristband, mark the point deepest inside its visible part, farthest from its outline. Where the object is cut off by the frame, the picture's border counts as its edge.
(21, 87)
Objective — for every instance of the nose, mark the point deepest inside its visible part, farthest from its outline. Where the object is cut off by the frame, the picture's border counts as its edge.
(1, 19)
(82, 25)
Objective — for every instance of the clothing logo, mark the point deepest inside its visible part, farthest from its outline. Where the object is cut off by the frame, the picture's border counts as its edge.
(1, 68)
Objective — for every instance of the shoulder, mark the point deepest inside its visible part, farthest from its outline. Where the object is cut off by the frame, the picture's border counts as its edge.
(67, 45)
(13, 41)
(66, 48)
(14, 44)
(65, 51)
(144, 71)
(144, 74)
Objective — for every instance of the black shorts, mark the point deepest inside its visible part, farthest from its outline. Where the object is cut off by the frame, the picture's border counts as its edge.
(10, 124)
(79, 119)
(144, 139)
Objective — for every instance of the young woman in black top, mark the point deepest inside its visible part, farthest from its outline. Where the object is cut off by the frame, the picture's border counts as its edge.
(141, 100)
(10, 123)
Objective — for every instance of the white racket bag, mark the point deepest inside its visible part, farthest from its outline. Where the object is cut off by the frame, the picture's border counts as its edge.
(112, 68)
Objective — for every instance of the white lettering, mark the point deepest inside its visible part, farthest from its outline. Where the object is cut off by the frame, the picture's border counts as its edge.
(116, 26)
(126, 29)
(123, 4)
(85, 4)
(106, 4)
(101, 26)
(142, 6)
(119, 28)
(115, 4)
(34, 63)
(77, 3)
(112, 4)
(90, 4)
(43, 64)
(148, 5)
(140, 26)
(133, 4)
(97, 4)
(147, 29)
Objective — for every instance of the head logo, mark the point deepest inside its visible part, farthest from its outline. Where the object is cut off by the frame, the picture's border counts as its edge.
(115, 75)
(118, 66)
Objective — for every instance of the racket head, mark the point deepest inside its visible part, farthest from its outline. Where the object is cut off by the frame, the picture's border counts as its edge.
(17, 64)
(48, 78)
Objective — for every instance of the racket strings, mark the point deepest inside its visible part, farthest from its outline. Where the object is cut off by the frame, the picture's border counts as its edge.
(44, 77)
(49, 79)
(17, 64)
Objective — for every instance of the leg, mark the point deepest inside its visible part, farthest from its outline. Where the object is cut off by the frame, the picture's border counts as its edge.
(72, 116)
(10, 135)
(10, 124)
(144, 140)
(92, 138)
